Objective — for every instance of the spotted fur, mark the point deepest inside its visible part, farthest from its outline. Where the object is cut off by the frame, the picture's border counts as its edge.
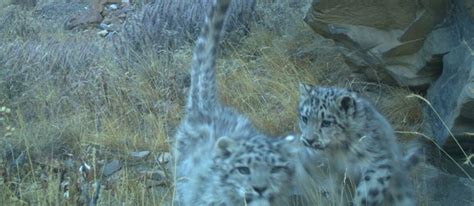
(355, 144)
(221, 159)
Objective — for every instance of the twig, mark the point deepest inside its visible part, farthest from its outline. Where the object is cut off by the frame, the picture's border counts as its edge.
(442, 121)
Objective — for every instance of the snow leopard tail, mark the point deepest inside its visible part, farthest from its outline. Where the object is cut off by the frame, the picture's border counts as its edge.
(203, 90)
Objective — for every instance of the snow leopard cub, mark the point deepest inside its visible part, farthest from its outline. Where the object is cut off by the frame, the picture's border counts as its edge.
(221, 159)
(347, 135)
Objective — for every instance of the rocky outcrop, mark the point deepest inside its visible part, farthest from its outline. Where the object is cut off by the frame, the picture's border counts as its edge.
(84, 20)
(384, 39)
(452, 94)
(415, 44)
(435, 187)
(95, 13)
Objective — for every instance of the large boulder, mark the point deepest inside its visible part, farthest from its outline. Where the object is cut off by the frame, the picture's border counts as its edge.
(435, 187)
(384, 38)
(93, 14)
(416, 44)
(452, 94)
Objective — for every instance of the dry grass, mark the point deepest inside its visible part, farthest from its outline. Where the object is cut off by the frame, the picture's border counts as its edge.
(170, 24)
(260, 80)
(74, 98)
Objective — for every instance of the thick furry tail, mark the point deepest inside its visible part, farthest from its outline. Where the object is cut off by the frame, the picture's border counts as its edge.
(203, 91)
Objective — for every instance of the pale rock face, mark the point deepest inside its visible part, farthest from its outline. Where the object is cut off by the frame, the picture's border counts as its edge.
(388, 35)
(415, 44)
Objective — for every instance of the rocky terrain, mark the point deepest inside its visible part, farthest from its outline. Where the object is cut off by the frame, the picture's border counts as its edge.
(91, 91)
(425, 46)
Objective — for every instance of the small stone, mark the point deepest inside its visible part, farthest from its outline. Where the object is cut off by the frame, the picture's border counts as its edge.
(103, 26)
(113, 6)
(140, 155)
(111, 167)
(153, 174)
(103, 33)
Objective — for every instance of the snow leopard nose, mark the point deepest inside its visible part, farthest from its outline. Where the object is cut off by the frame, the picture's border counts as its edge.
(260, 190)
(308, 142)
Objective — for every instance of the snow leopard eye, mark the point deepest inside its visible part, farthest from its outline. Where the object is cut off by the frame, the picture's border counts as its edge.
(243, 170)
(326, 123)
(304, 119)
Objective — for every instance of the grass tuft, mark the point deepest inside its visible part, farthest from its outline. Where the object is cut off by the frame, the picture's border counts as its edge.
(69, 99)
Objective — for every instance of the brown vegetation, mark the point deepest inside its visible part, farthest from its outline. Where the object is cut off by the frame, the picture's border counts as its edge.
(72, 98)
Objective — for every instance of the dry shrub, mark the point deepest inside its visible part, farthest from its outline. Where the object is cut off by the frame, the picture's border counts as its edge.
(68, 94)
(25, 3)
(258, 77)
(170, 24)
(16, 22)
(33, 69)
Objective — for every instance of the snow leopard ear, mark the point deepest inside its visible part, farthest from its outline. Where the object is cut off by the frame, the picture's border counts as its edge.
(347, 103)
(224, 146)
(304, 89)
